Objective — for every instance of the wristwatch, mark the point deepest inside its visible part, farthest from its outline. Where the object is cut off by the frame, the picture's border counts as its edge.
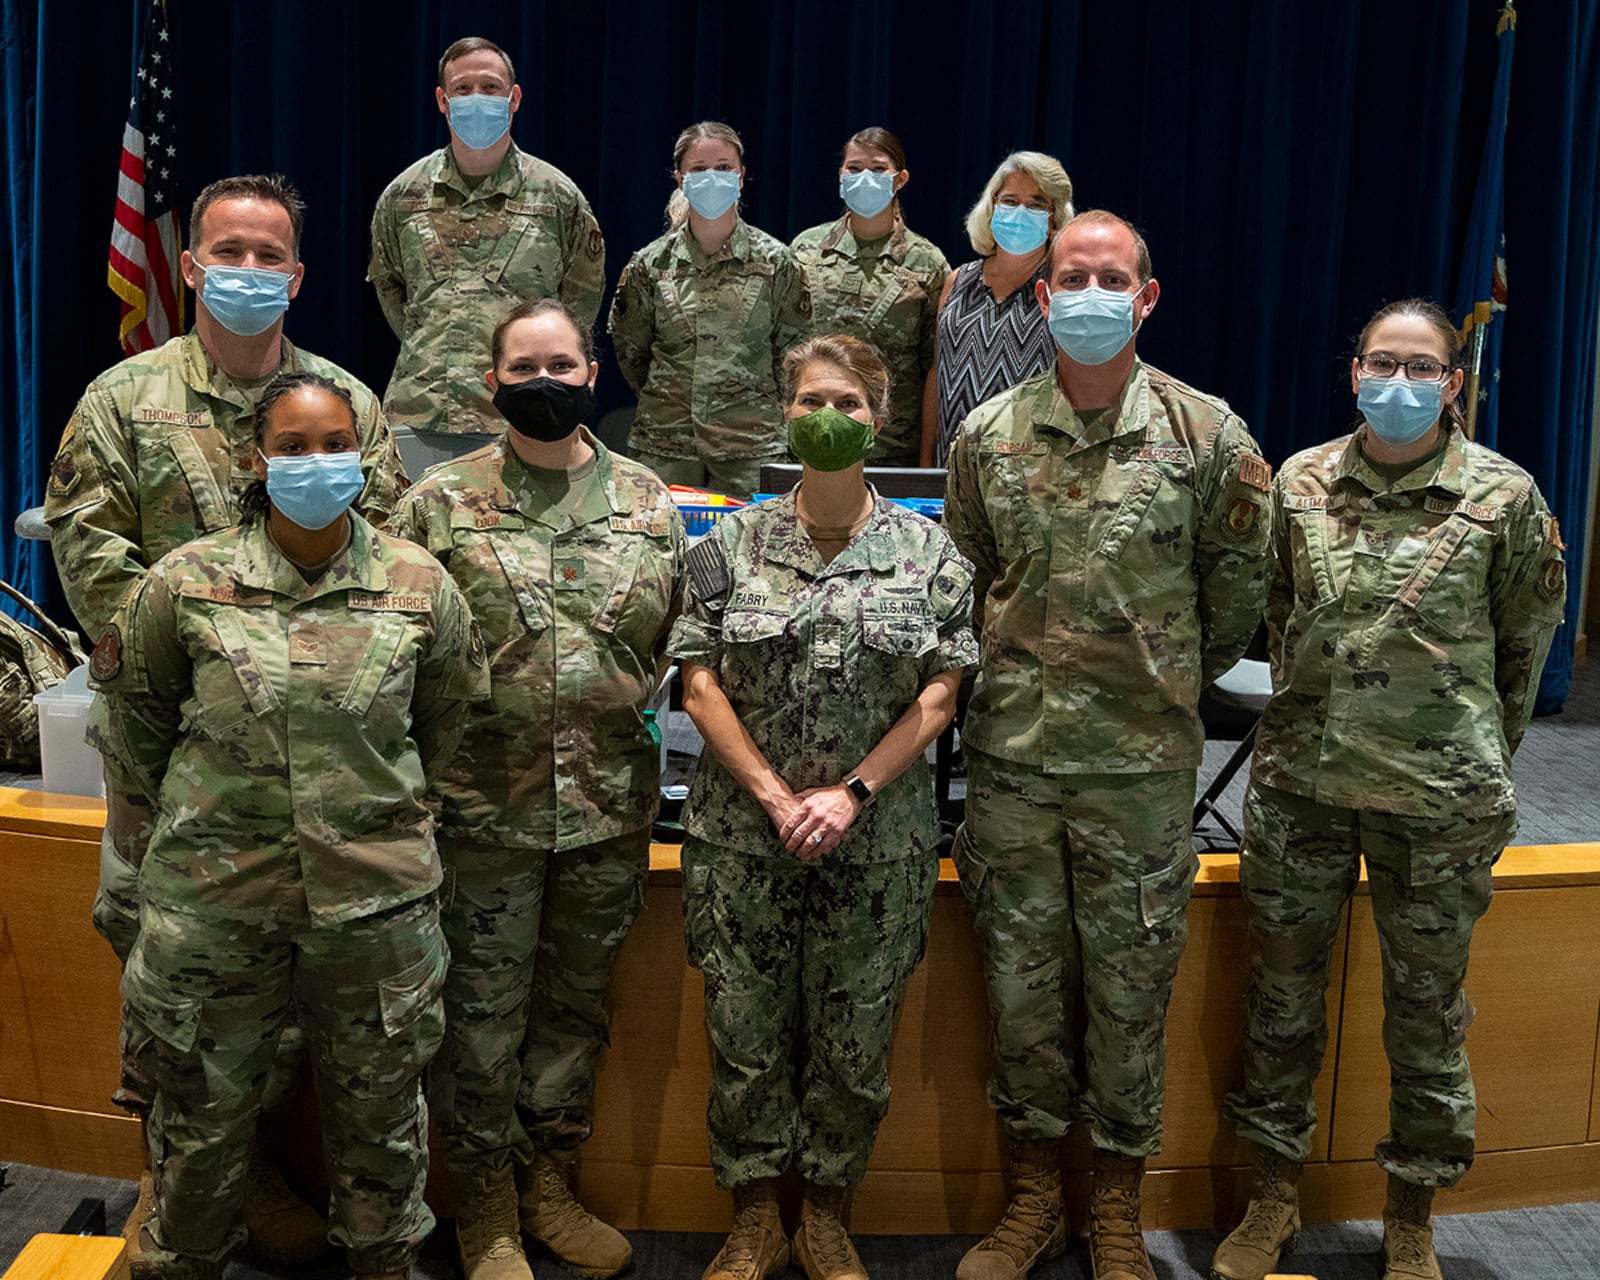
(859, 789)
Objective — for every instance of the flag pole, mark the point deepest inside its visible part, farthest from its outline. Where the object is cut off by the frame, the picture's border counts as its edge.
(1474, 380)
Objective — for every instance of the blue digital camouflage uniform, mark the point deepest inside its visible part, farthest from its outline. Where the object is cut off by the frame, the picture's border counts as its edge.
(548, 801)
(1409, 619)
(286, 730)
(805, 962)
(1121, 562)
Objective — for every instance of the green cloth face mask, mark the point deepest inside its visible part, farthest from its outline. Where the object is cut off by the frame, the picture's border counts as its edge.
(829, 440)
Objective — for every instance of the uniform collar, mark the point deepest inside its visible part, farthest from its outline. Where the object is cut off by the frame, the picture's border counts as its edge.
(788, 543)
(359, 567)
(737, 248)
(511, 488)
(1447, 473)
(1053, 412)
(841, 240)
(503, 181)
(200, 371)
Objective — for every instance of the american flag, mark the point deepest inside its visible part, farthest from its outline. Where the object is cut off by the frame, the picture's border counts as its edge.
(145, 239)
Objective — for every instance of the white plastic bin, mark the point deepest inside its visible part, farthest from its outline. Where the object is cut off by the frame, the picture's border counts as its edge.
(71, 766)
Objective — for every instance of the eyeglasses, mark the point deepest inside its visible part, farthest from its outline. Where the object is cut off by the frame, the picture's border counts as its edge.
(1382, 365)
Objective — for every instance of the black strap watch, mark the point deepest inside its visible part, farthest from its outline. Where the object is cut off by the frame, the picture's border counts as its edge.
(859, 789)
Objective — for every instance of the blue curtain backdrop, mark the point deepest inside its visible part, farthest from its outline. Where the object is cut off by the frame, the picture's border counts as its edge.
(1292, 165)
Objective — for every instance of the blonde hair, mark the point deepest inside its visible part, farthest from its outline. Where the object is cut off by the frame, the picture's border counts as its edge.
(706, 130)
(850, 355)
(1043, 169)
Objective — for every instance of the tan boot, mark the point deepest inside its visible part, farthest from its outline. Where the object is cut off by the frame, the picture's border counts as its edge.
(283, 1228)
(1408, 1234)
(1033, 1228)
(487, 1238)
(1116, 1243)
(821, 1245)
(164, 1264)
(144, 1209)
(1271, 1224)
(756, 1247)
(553, 1219)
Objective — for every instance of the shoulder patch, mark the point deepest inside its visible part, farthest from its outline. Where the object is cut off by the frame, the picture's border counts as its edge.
(708, 569)
(949, 585)
(1555, 535)
(596, 245)
(63, 472)
(1552, 583)
(105, 664)
(1255, 471)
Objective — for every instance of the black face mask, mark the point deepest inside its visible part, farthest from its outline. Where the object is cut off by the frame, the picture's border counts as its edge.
(544, 409)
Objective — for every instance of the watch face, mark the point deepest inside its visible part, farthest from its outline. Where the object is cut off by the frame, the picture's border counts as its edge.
(859, 789)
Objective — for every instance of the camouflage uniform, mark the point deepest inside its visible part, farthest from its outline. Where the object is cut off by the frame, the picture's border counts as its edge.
(158, 451)
(1120, 567)
(1409, 619)
(805, 962)
(701, 342)
(548, 802)
(885, 292)
(286, 729)
(449, 259)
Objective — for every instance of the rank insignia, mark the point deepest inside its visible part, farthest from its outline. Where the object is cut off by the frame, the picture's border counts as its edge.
(569, 575)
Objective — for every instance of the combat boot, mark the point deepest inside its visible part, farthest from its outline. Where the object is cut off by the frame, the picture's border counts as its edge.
(553, 1219)
(1033, 1228)
(821, 1245)
(283, 1228)
(756, 1247)
(487, 1237)
(144, 1209)
(1116, 1243)
(164, 1264)
(1408, 1234)
(1271, 1224)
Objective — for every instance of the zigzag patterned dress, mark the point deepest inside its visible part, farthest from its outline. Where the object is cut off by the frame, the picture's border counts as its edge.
(985, 346)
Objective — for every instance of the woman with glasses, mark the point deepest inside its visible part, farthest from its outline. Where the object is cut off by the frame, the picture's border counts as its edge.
(991, 333)
(1419, 582)
(871, 276)
(700, 322)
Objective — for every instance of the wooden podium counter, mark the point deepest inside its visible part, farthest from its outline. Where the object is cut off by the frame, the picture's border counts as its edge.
(1535, 979)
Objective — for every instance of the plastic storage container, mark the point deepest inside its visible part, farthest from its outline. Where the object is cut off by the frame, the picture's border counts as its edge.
(71, 766)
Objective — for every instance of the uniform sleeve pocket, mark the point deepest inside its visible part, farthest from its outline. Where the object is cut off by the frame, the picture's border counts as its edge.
(411, 994)
(1164, 894)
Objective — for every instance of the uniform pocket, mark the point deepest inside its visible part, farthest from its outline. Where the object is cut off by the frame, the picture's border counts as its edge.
(971, 869)
(697, 926)
(376, 664)
(747, 626)
(169, 1015)
(1164, 894)
(411, 995)
(234, 688)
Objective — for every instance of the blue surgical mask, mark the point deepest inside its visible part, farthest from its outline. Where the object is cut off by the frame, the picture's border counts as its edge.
(244, 300)
(711, 192)
(866, 194)
(1018, 229)
(314, 489)
(1091, 324)
(480, 119)
(1398, 410)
